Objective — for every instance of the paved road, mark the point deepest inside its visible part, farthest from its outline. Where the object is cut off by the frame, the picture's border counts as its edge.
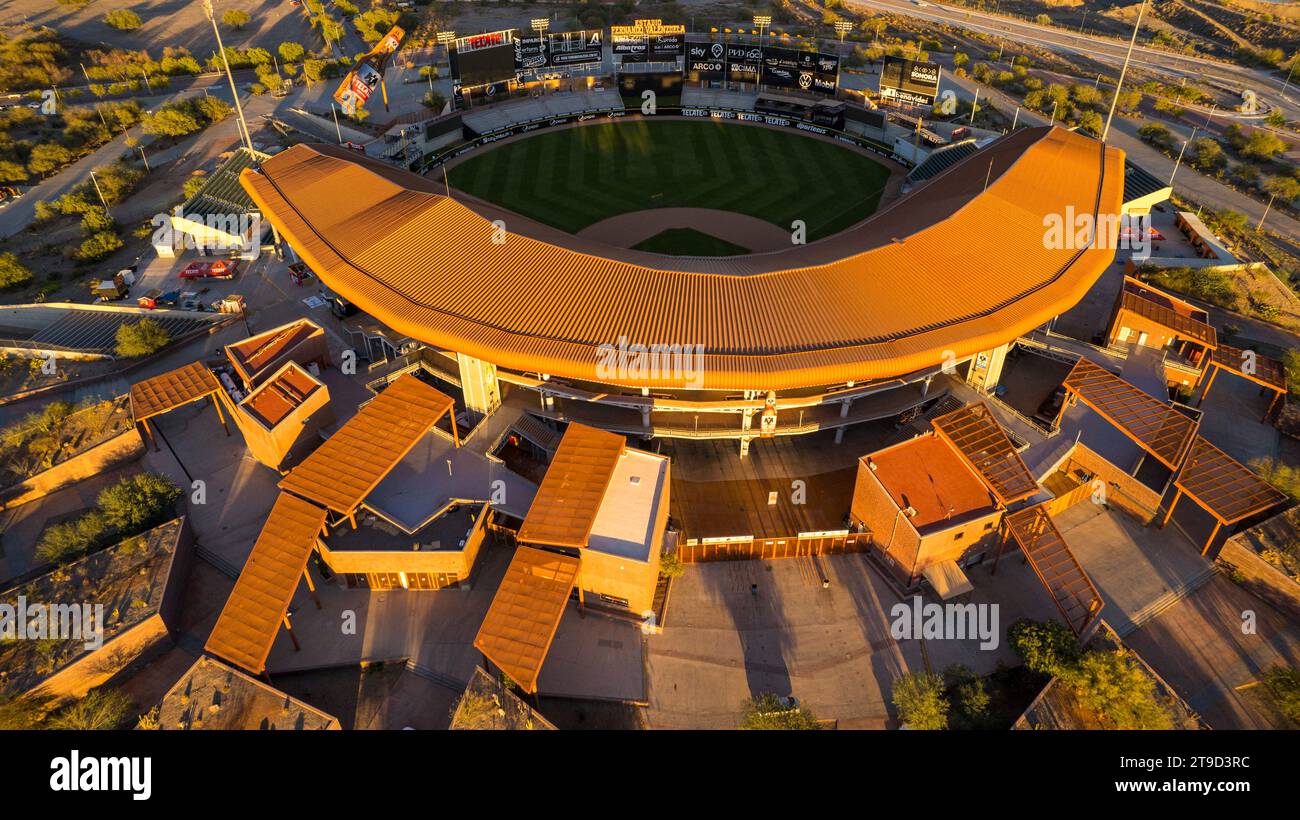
(1099, 48)
(1123, 134)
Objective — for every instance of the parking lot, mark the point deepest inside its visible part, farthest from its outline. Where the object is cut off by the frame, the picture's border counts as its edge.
(742, 628)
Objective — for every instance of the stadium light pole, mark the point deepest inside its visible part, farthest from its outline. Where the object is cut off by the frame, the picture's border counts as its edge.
(234, 90)
(1267, 208)
(843, 27)
(1179, 161)
(540, 25)
(446, 38)
(100, 191)
(1294, 62)
(1119, 84)
(762, 21)
(337, 130)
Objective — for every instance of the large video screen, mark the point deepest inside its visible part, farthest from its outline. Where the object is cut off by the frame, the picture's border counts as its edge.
(802, 70)
(909, 81)
(484, 66)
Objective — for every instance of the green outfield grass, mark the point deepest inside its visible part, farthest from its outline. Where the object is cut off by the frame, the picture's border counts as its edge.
(574, 177)
(689, 242)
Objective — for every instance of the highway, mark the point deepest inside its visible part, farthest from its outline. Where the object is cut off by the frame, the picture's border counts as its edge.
(1265, 84)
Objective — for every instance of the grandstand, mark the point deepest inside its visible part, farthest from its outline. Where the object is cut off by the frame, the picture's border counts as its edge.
(926, 288)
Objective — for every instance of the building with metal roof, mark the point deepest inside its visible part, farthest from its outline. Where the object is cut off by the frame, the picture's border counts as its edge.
(935, 503)
(1142, 191)
(220, 215)
(959, 269)
(608, 504)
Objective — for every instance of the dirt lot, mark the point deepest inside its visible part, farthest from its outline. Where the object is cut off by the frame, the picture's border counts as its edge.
(167, 23)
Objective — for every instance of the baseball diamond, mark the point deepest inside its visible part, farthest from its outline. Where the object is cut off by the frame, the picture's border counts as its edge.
(571, 178)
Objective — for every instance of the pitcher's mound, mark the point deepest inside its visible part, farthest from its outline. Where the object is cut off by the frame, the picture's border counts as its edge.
(689, 242)
(694, 230)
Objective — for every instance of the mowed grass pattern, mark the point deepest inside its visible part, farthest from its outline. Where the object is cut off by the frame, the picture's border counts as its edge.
(574, 177)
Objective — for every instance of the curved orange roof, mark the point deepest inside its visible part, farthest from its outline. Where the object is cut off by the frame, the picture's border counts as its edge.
(957, 267)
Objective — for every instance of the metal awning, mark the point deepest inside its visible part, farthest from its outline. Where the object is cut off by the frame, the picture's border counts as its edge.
(342, 472)
(520, 624)
(258, 604)
(982, 443)
(159, 394)
(947, 579)
(1154, 425)
(1056, 567)
(1223, 486)
(1263, 370)
(565, 507)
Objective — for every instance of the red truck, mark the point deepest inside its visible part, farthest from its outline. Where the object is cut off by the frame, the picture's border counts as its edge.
(219, 269)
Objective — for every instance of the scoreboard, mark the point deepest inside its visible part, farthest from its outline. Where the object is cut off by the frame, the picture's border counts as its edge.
(648, 41)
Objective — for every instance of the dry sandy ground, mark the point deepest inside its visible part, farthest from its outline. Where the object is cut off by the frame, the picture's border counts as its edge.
(167, 23)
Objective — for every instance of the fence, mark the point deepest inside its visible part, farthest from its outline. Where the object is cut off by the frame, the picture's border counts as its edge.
(759, 549)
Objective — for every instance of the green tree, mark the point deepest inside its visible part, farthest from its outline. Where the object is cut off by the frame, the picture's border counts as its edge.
(211, 109)
(71, 539)
(920, 700)
(49, 156)
(140, 501)
(192, 185)
(141, 338)
(12, 272)
(236, 18)
(291, 52)
(330, 29)
(1205, 154)
(1286, 189)
(11, 171)
(1275, 471)
(1116, 692)
(1282, 686)
(671, 566)
(171, 121)
(1046, 647)
(767, 711)
(1263, 145)
(313, 70)
(1230, 221)
(98, 246)
(1156, 133)
(1091, 122)
(98, 710)
(123, 19)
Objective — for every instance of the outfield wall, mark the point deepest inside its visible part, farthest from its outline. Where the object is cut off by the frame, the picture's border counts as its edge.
(476, 141)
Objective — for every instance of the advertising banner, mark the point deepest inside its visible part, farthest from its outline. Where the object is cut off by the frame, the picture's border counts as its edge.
(800, 70)
(368, 74)
(648, 41)
(910, 82)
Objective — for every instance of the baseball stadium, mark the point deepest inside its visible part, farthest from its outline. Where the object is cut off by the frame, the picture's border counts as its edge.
(760, 271)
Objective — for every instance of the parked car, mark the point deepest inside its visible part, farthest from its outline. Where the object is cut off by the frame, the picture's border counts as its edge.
(1051, 406)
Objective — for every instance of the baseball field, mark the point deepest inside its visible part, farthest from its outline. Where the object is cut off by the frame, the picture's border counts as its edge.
(574, 177)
